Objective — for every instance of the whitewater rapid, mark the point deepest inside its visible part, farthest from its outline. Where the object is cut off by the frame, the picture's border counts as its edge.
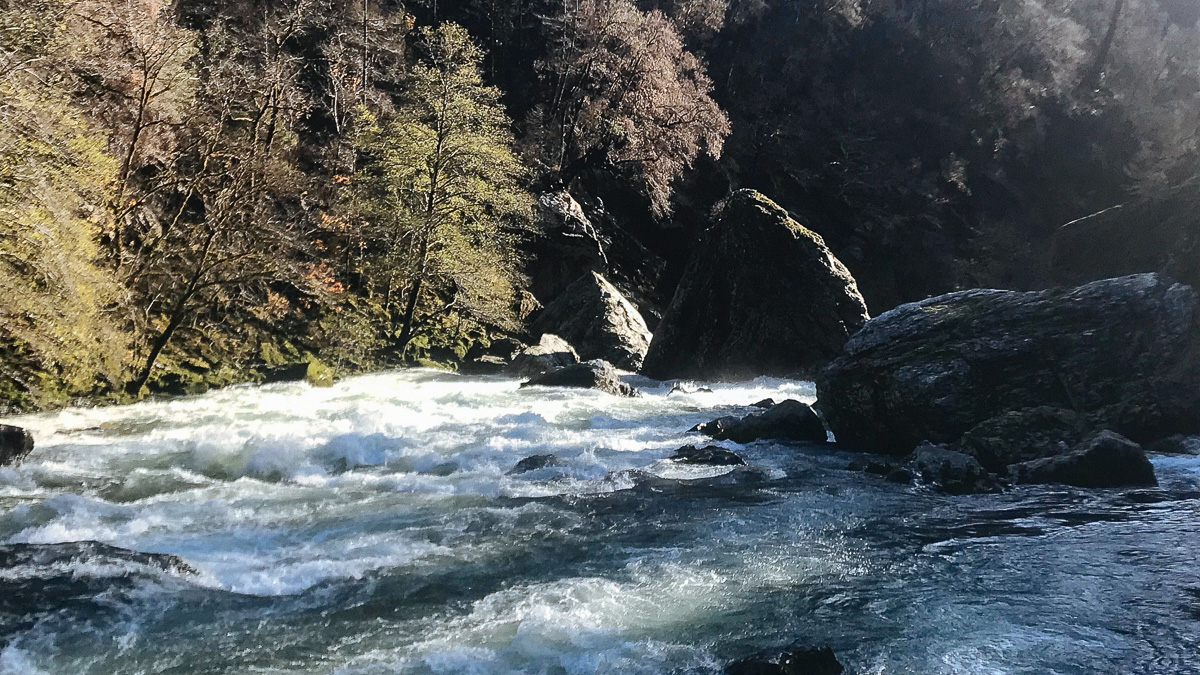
(373, 527)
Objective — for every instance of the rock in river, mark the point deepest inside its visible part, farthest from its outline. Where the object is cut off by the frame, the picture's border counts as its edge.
(15, 444)
(1125, 352)
(598, 321)
(593, 374)
(709, 455)
(551, 353)
(950, 471)
(762, 295)
(788, 420)
(1106, 460)
(1023, 435)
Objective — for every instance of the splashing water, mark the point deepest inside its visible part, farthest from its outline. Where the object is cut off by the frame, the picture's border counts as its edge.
(373, 528)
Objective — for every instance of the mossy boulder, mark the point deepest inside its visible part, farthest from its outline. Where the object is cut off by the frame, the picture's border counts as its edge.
(762, 295)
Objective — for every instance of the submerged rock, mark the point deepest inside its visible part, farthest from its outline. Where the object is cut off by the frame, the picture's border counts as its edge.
(15, 444)
(533, 463)
(952, 472)
(709, 455)
(1106, 460)
(550, 353)
(762, 295)
(789, 420)
(1125, 352)
(805, 661)
(595, 374)
(593, 316)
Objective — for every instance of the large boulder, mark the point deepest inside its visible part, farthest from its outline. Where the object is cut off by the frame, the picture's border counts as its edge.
(762, 295)
(550, 353)
(593, 316)
(1125, 352)
(593, 374)
(1104, 461)
(15, 444)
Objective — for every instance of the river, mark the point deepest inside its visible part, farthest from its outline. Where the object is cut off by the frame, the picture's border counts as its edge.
(373, 528)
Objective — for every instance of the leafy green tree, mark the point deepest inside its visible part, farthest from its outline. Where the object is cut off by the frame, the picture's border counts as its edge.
(57, 333)
(438, 183)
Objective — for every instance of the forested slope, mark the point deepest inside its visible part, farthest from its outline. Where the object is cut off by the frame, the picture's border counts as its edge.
(194, 193)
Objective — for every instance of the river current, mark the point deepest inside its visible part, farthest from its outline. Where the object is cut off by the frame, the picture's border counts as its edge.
(373, 528)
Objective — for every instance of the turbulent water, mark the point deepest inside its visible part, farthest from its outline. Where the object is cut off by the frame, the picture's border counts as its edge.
(372, 528)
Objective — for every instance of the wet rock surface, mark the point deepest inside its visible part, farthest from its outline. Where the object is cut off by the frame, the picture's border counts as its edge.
(15, 444)
(788, 420)
(1106, 460)
(593, 374)
(1124, 352)
(709, 455)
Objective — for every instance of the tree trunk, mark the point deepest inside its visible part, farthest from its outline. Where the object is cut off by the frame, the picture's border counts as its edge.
(414, 293)
(1091, 80)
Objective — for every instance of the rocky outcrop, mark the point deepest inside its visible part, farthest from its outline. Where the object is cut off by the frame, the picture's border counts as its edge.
(598, 321)
(709, 455)
(15, 444)
(1106, 460)
(593, 374)
(550, 353)
(786, 421)
(762, 295)
(1124, 352)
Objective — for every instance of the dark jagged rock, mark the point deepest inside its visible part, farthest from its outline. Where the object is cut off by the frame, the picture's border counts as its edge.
(15, 444)
(533, 463)
(709, 455)
(761, 296)
(952, 472)
(1106, 460)
(593, 374)
(550, 353)
(1024, 435)
(788, 420)
(765, 403)
(717, 427)
(821, 661)
(598, 321)
(1125, 352)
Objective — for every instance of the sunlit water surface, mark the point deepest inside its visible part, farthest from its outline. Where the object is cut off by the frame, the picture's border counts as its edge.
(371, 528)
